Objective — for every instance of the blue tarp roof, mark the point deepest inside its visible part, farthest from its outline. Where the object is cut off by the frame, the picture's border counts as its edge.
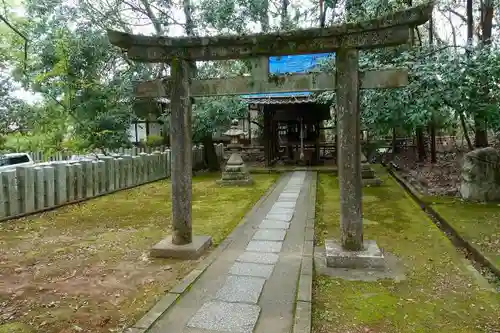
(302, 63)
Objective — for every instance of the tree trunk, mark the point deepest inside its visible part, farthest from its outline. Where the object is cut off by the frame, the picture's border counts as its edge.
(422, 156)
(211, 159)
(264, 16)
(481, 126)
(433, 141)
(284, 14)
(394, 143)
(466, 131)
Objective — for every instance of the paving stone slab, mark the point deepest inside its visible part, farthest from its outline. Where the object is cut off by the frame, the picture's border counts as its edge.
(264, 246)
(259, 258)
(270, 234)
(289, 195)
(279, 217)
(226, 317)
(285, 204)
(242, 289)
(286, 199)
(251, 269)
(291, 191)
(281, 210)
(272, 224)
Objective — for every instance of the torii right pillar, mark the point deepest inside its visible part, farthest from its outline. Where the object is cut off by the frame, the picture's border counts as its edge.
(352, 251)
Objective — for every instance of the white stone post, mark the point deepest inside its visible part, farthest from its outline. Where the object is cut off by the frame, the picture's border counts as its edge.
(79, 185)
(10, 192)
(39, 188)
(25, 189)
(48, 172)
(71, 182)
(60, 184)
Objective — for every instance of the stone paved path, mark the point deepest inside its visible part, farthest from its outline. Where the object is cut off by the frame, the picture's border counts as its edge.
(252, 285)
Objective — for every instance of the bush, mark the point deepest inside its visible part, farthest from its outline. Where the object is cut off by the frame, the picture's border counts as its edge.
(154, 141)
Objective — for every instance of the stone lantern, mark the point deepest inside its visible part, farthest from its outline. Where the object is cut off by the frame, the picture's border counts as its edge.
(235, 171)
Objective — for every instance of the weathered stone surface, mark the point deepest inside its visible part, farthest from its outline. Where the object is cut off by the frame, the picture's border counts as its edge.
(251, 269)
(270, 234)
(182, 151)
(166, 249)
(369, 257)
(156, 311)
(389, 30)
(264, 246)
(226, 317)
(284, 204)
(272, 224)
(285, 217)
(287, 199)
(481, 175)
(349, 154)
(243, 289)
(259, 258)
(280, 210)
(372, 182)
(235, 172)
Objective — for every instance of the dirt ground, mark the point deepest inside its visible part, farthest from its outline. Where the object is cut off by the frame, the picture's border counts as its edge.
(441, 178)
(85, 268)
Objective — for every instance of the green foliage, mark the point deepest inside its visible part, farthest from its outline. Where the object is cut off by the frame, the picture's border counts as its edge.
(153, 141)
(214, 114)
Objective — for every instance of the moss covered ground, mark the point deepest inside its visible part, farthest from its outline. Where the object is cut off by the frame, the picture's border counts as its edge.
(477, 223)
(85, 268)
(440, 292)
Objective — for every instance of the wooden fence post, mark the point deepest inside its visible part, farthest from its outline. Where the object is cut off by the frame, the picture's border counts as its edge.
(133, 170)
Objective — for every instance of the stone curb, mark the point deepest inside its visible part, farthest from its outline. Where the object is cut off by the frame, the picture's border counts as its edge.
(280, 171)
(170, 298)
(476, 253)
(303, 307)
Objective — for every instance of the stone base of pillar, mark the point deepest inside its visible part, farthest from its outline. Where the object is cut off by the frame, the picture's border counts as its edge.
(235, 172)
(337, 257)
(368, 176)
(166, 249)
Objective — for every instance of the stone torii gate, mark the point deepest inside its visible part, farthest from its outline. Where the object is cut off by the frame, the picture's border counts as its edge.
(345, 40)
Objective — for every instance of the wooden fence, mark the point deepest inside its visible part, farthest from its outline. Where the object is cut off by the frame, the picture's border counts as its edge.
(31, 189)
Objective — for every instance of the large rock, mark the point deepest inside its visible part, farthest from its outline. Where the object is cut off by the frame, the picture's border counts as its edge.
(481, 175)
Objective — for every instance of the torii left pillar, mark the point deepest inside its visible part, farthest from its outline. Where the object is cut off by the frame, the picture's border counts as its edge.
(181, 244)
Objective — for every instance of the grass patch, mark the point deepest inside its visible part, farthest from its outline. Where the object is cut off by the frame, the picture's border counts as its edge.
(86, 267)
(439, 294)
(477, 223)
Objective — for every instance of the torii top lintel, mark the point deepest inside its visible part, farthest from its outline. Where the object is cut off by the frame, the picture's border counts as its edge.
(392, 29)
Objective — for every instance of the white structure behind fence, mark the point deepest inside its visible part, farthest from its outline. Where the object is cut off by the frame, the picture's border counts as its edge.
(31, 189)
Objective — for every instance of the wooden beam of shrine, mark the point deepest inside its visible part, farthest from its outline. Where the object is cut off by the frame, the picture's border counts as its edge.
(317, 82)
(392, 29)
